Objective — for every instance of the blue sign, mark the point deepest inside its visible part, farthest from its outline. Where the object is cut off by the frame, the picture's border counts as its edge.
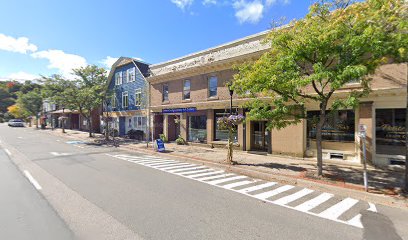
(179, 110)
(160, 145)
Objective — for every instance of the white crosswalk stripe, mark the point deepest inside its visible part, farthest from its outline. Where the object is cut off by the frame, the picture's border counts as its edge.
(335, 211)
(237, 184)
(312, 203)
(274, 192)
(205, 174)
(226, 180)
(258, 189)
(293, 197)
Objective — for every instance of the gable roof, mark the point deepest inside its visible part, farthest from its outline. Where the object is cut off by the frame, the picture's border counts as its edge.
(122, 61)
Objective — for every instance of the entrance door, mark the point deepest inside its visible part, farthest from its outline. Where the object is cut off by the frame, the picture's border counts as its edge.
(258, 129)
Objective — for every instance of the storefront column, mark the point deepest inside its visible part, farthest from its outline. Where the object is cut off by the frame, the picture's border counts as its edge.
(166, 125)
(210, 125)
(365, 114)
(183, 125)
(248, 134)
(241, 132)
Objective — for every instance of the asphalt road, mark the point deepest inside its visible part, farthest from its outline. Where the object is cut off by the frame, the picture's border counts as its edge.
(101, 197)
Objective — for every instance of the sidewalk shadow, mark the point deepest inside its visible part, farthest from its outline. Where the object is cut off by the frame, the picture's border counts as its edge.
(273, 166)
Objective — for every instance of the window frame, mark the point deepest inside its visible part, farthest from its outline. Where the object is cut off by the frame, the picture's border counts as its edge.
(113, 101)
(131, 74)
(125, 94)
(138, 91)
(167, 93)
(184, 89)
(209, 86)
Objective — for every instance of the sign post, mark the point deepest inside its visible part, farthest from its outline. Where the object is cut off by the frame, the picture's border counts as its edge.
(362, 132)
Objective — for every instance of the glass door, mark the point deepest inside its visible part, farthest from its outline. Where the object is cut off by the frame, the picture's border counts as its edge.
(258, 136)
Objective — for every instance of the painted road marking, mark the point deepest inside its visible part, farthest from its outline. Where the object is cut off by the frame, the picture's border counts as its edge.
(274, 192)
(32, 180)
(7, 151)
(195, 172)
(226, 180)
(214, 177)
(336, 210)
(257, 187)
(293, 197)
(312, 203)
(188, 169)
(204, 174)
(59, 154)
(237, 184)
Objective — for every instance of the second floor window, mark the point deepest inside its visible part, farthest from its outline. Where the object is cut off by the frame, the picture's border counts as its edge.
(186, 89)
(212, 86)
(131, 74)
(165, 92)
(125, 100)
(138, 97)
(113, 101)
(118, 78)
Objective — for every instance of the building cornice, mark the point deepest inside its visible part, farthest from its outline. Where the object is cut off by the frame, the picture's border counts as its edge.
(239, 50)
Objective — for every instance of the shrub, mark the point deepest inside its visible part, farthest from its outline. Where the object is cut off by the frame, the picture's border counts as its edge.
(180, 140)
(163, 138)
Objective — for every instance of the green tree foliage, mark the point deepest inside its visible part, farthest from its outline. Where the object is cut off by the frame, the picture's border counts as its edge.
(31, 103)
(83, 94)
(311, 59)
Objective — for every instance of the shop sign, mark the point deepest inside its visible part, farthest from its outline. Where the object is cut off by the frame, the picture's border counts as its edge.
(160, 145)
(179, 110)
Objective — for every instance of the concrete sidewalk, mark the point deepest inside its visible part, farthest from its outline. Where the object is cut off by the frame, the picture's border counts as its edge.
(385, 185)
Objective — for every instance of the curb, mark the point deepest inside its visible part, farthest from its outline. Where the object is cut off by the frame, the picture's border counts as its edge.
(341, 189)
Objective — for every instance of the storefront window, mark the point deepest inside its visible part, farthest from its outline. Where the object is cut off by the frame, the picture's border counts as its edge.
(390, 131)
(197, 128)
(339, 126)
(222, 135)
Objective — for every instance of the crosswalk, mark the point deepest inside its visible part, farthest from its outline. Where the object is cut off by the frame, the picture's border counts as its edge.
(319, 204)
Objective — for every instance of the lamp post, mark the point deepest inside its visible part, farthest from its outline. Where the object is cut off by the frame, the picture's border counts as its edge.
(231, 92)
(63, 119)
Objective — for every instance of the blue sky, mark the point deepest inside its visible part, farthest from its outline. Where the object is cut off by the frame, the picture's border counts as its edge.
(53, 36)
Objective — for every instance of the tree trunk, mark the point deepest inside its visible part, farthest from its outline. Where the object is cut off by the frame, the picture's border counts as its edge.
(319, 128)
(90, 126)
(36, 121)
(106, 129)
(406, 145)
(229, 147)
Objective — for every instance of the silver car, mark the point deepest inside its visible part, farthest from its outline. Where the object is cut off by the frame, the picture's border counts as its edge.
(16, 123)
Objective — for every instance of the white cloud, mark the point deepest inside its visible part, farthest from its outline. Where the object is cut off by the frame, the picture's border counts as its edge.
(182, 4)
(270, 2)
(108, 61)
(20, 45)
(22, 76)
(209, 2)
(62, 61)
(248, 11)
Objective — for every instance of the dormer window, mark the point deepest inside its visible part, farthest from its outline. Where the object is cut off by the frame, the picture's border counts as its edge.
(118, 78)
(131, 74)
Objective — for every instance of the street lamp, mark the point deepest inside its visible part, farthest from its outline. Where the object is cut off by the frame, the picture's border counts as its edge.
(231, 92)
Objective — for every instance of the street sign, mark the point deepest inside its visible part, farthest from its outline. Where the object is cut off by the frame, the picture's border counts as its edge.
(362, 130)
(160, 145)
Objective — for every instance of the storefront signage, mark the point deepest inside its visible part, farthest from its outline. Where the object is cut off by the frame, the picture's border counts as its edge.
(160, 145)
(179, 110)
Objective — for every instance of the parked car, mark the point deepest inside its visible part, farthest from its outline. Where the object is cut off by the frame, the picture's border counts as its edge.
(16, 123)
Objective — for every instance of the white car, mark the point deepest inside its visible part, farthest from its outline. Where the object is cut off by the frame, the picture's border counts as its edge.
(16, 123)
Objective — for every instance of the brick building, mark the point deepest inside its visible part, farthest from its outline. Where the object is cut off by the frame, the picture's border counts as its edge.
(187, 95)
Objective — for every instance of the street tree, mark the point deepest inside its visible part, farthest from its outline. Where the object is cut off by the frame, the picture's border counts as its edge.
(84, 94)
(31, 102)
(311, 59)
(17, 111)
